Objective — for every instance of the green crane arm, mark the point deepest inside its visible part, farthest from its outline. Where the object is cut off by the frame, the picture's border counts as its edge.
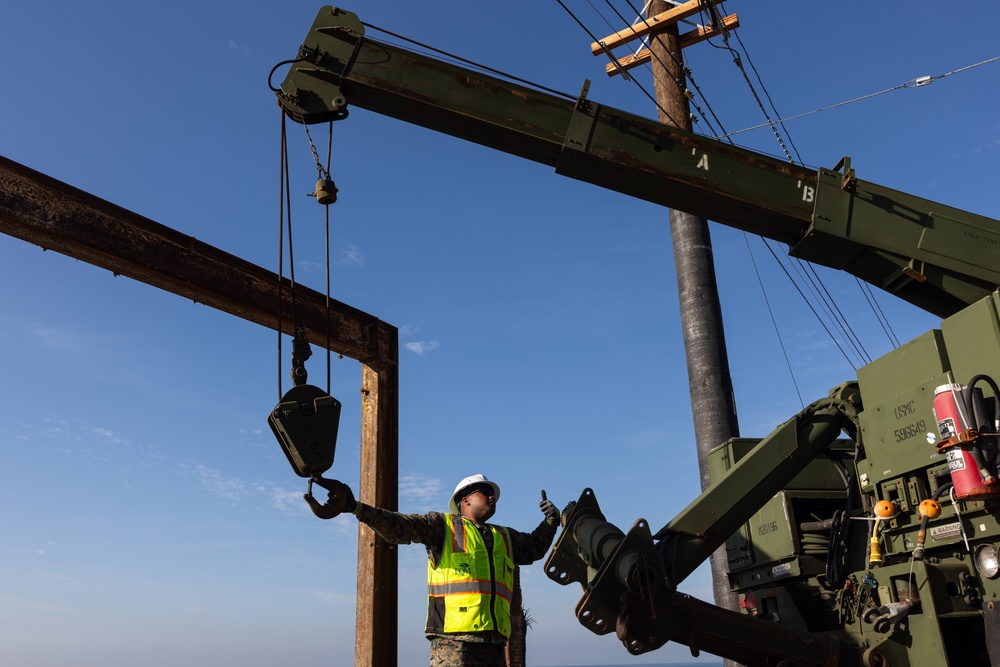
(705, 524)
(934, 256)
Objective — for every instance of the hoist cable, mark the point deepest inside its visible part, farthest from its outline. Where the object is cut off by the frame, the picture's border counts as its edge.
(466, 61)
(329, 153)
(291, 249)
(774, 322)
(285, 214)
(281, 238)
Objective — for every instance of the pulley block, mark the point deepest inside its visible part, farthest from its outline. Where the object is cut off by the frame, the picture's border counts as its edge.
(305, 422)
(326, 192)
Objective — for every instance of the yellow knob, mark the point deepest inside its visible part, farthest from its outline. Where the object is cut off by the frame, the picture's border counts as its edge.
(930, 508)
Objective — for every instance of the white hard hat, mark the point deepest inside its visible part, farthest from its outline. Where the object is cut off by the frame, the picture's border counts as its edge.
(466, 483)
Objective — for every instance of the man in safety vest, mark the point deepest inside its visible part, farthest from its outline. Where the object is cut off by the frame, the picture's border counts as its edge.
(470, 568)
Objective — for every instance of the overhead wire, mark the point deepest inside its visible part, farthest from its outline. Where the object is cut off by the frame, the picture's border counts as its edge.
(768, 96)
(917, 82)
(716, 18)
(681, 86)
(835, 313)
(825, 301)
(826, 298)
(818, 318)
(688, 74)
(877, 310)
(618, 64)
(774, 322)
(821, 296)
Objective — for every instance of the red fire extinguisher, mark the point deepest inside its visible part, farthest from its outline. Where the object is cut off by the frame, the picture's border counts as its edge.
(959, 417)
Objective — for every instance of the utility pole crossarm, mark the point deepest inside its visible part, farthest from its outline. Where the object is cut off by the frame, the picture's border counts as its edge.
(690, 38)
(56, 216)
(647, 27)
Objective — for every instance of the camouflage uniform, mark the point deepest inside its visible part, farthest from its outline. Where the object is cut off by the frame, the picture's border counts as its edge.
(472, 649)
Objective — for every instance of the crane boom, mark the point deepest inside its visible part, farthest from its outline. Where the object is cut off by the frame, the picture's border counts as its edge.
(934, 256)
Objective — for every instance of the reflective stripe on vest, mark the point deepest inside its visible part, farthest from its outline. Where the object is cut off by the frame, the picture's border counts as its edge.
(461, 595)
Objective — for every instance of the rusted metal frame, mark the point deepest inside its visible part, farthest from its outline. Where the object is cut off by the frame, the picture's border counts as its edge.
(56, 216)
(690, 38)
(378, 574)
(649, 26)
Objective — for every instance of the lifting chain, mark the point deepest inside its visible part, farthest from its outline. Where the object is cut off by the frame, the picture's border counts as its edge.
(326, 190)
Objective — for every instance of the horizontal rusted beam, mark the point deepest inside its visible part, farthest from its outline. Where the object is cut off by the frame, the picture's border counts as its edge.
(56, 216)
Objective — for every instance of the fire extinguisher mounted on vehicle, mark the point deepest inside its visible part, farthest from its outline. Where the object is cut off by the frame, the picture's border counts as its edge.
(969, 436)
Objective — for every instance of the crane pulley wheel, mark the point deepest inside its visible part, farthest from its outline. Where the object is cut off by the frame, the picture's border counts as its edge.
(305, 422)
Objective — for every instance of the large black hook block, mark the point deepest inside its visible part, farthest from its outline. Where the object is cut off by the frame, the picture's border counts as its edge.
(305, 422)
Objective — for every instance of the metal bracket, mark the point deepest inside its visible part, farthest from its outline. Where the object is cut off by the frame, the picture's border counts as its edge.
(848, 178)
(311, 92)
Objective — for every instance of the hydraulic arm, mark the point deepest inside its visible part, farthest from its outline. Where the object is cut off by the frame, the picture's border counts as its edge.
(935, 256)
(630, 581)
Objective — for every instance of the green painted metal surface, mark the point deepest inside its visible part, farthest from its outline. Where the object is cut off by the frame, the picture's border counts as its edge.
(824, 578)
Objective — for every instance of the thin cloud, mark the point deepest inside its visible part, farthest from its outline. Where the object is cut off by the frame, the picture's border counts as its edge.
(284, 500)
(422, 347)
(421, 493)
(350, 256)
(212, 480)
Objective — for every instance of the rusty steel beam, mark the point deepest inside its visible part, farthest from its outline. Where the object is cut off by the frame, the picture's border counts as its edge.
(56, 216)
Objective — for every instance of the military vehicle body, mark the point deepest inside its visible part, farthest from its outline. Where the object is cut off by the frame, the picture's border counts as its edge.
(862, 530)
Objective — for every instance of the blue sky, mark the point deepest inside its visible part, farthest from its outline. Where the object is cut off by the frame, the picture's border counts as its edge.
(149, 517)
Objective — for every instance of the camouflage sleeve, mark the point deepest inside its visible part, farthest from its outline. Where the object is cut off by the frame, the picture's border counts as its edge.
(529, 547)
(396, 528)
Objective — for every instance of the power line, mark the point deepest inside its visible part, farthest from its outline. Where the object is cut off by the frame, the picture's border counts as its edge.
(774, 322)
(912, 83)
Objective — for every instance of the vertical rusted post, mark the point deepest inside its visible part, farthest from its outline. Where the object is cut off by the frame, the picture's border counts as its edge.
(375, 643)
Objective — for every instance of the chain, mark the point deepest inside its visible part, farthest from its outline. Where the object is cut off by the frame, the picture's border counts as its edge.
(320, 169)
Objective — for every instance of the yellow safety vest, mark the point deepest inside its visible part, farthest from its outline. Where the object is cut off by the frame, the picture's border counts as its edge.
(470, 589)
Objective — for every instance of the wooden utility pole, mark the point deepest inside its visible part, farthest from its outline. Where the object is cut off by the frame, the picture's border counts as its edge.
(712, 402)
